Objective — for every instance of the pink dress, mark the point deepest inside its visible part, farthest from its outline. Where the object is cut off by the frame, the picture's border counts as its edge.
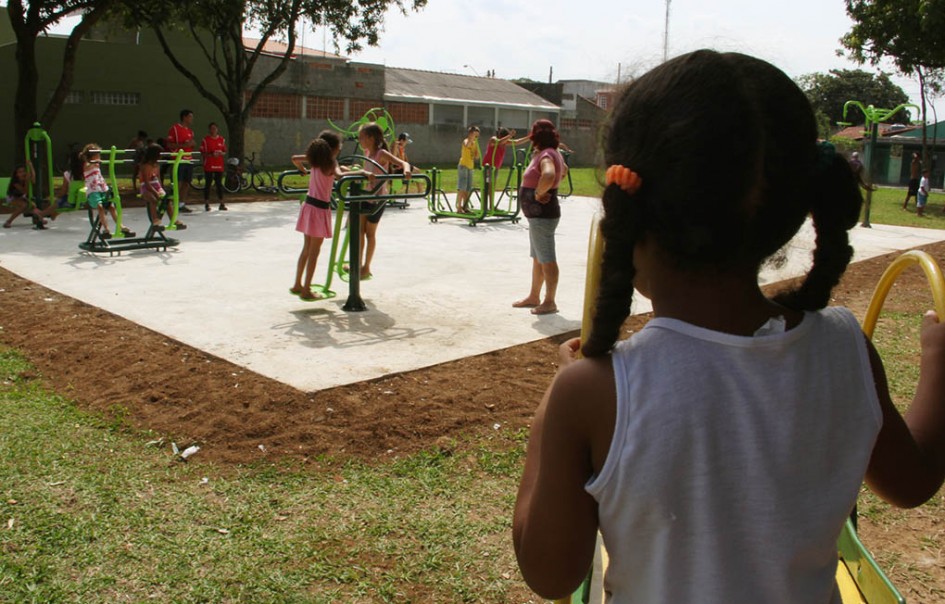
(315, 213)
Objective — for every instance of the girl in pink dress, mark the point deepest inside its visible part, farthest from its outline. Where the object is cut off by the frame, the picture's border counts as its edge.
(315, 214)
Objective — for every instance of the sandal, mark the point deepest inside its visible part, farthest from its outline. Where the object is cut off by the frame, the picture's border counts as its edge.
(7, 224)
(180, 226)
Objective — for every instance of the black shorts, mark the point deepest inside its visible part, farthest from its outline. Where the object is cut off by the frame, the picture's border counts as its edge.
(913, 186)
(373, 212)
(185, 171)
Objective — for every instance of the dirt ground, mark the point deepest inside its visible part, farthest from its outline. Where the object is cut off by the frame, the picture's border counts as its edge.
(193, 397)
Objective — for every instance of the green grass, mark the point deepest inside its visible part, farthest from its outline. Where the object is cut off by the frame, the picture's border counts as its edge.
(91, 513)
(886, 208)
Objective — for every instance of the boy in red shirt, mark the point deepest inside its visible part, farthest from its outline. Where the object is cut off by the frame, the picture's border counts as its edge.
(180, 136)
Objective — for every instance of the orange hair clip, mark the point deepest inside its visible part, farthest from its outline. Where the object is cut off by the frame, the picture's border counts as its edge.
(623, 177)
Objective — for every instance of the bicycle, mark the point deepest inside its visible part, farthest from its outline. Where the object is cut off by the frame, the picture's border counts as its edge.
(240, 176)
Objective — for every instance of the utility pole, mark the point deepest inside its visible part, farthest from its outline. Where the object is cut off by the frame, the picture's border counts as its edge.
(666, 34)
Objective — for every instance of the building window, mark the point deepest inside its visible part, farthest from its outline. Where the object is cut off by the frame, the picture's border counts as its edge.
(484, 117)
(105, 97)
(75, 97)
(448, 114)
(514, 119)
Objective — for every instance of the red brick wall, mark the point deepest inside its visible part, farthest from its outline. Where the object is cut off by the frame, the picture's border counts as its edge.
(277, 105)
(357, 108)
(409, 113)
(323, 108)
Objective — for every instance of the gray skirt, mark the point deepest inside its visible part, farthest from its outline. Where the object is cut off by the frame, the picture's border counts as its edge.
(541, 239)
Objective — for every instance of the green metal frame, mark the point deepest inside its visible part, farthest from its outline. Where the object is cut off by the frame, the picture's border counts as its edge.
(153, 239)
(378, 115)
(875, 587)
(439, 206)
(35, 136)
(874, 117)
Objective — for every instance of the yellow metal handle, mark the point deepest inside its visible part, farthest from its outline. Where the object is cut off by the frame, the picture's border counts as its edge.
(595, 249)
(932, 272)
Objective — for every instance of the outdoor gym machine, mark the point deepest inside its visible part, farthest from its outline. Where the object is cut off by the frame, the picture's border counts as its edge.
(874, 117)
(38, 148)
(154, 238)
(351, 193)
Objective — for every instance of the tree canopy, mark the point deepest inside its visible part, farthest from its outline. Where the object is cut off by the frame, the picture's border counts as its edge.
(909, 32)
(28, 20)
(240, 76)
(829, 91)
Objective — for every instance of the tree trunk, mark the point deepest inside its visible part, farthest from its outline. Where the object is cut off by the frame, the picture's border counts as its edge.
(235, 141)
(69, 56)
(24, 100)
(925, 142)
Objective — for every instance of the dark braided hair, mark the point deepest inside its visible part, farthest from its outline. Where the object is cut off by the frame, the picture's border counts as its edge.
(726, 148)
(321, 151)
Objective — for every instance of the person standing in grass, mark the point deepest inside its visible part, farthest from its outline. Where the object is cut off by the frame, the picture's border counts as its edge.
(915, 169)
(922, 195)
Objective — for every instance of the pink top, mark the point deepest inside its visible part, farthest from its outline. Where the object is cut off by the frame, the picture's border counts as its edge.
(373, 169)
(320, 184)
(94, 181)
(533, 171)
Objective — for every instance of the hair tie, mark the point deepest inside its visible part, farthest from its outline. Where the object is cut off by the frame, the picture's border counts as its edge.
(825, 154)
(625, 178)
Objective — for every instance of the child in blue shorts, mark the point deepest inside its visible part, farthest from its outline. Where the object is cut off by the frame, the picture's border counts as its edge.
(96, 189)
(923, 195)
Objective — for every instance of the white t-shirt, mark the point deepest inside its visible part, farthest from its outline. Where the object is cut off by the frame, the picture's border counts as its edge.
(735, 461)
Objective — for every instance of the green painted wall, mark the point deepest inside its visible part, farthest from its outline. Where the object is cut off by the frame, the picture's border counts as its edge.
(116, 61)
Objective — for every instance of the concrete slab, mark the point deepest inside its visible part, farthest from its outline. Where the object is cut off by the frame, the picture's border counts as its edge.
(440, 291)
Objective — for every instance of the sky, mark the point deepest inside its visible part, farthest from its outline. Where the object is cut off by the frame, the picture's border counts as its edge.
(601, 39)
(606, 39)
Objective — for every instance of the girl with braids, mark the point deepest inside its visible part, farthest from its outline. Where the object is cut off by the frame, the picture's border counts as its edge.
(720, 449)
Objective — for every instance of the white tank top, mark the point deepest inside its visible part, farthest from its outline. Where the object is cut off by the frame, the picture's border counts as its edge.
(735, 461)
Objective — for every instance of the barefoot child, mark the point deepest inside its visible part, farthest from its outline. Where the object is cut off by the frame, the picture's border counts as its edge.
(371, 139)
(720, 449)
(96, 189)
(149, 174)
(18, 197)
(469, 153)
(315, 214)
